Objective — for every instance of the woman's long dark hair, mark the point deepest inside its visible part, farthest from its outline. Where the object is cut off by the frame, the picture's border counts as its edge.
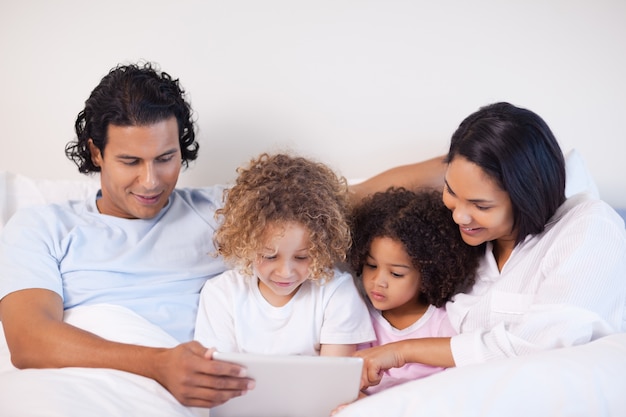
(517, 149)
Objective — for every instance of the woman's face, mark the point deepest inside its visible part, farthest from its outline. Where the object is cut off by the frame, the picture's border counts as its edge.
(482, 210)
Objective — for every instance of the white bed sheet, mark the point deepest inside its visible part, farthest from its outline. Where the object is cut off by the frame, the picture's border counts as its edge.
(81, 392)
(587, 380)
(582, 381)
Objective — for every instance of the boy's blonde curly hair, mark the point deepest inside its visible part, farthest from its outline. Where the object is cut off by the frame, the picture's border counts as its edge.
(274, 190)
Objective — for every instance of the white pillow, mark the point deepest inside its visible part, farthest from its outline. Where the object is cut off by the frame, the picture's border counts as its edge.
(578, 179)
(17, 191)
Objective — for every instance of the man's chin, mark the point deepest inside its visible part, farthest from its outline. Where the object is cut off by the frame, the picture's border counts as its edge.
(147, 213)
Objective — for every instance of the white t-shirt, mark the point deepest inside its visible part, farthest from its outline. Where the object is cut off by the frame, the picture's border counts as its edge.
(155, 267)
(563, 287)
(234, 317)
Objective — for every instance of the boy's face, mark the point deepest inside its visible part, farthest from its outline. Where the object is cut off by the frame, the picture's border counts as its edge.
(283, 263)
(139, 169)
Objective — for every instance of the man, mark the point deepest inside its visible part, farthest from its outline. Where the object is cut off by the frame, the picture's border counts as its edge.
(138, 243)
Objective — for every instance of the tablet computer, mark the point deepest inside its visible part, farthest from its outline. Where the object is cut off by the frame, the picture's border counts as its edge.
(292, 386)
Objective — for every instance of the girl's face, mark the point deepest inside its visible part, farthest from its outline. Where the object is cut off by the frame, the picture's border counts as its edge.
(283, 262)
(482, 210)
(389, 277)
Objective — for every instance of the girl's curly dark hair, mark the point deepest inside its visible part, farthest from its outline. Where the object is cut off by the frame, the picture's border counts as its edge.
(131, 95)
(279, 189)
(424, 226)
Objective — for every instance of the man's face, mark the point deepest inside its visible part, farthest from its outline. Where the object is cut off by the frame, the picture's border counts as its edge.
(139, 169)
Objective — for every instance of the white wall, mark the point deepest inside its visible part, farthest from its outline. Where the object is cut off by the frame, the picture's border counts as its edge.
(361, 84)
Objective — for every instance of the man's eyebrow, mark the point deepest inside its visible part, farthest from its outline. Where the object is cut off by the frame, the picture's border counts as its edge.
(170, 152)
(166, 153)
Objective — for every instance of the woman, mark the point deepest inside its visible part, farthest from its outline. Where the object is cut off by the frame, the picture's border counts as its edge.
(553, 271)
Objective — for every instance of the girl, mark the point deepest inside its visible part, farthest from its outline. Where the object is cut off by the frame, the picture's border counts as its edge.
(410, 260)
(284, 228)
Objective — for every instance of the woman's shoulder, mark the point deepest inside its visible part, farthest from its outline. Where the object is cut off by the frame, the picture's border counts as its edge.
(585, 206)
(586, 220)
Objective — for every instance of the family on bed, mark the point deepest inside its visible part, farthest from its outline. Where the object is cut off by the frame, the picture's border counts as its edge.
(462, 259)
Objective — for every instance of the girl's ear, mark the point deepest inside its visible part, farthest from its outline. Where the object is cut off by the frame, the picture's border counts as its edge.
(96, 155)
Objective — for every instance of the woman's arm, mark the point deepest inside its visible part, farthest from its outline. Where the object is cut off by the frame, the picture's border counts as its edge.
(434, 351)
(425, 174)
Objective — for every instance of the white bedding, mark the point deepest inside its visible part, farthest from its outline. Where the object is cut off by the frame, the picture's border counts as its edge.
(583, 381)
(587, 380)
(83, 392)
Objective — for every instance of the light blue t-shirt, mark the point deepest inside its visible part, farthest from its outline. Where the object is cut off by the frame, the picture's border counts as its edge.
(155, 267)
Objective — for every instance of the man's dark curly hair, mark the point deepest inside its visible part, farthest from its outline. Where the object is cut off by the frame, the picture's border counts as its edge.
(424, 226)
(131, 95)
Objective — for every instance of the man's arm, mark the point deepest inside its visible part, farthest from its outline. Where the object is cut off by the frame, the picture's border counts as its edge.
(38, 338)
(424, 174)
